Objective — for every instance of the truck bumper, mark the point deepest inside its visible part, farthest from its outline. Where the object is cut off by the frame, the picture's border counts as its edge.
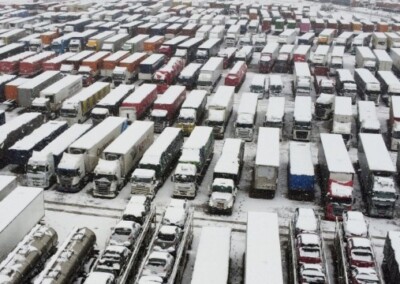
(69, 189)
(103, 194)
(219, 210)
(262, 193)
(184, 193)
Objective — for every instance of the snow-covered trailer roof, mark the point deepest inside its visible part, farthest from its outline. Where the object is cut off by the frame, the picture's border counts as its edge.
(152, 59)
(205, 28)
(338, 51)
(322, 50)
(170, 95)
(286, 48)
(155, 38)
(268, 147)
(86, 92)
(302, 108)
(19, 56)
(343, 106)
(176, 40)
(80, 56)
(140, 93)
(335, 152)
(235, 69)
(115, 95)
(15, 123)
(29, 141)
(301, 159)
(116, 38)
(209, 43)
(366, 76)
(327, 32)
(61, 57)
(198, 138)
(137, 39)
(390, 79)
(222, 96)
(133, 57)
(247, 106)
(190, 69)
(61, 143)
(287, 33)
(117, 55)
(154, 152)
(376, 153)
(132, 135)
(190, 42)
(382, 55)
(270, 48)
(302, 69)
(258, 80)
(103, 35)
(212, 64)
(95, 57)
(276, 109)
(233, 29)
(212, 258)
(98, 133)
(229, 162)
(379, 35)
(194, 99)
(36, 81)
(38, 57)
(365, 52)
(366, 110)
(263, 261)
(345, 75)
(302, 49)
(61, 84)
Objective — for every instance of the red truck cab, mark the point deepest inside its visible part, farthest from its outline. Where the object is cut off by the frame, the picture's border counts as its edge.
(236, 75)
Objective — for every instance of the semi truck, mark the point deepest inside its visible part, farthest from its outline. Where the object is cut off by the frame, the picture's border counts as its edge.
(114, 43)
(150, 65)
(192, 111)
(135, 44)
(336, 176)
(157, 162)
(365, 58)
(268, 56)
(210, 74)
(246, 117)
(91, 66)
(78, 42)
(166, 107)
(72, 64)
(302, 79)
(128, 69)
(368, 87)
(220, 109)
(266, 167)
(119, 159)
(226, 177)
(111, 103)
(367, 119)
(22, 150)
(51, 98)
(197, 153)
(301, 176)
(15, 130)
(10, 65)
(168, 48)
(30, 90)
(345, 84)
(189, 75)
(77, 108)
(302, 119)
(77, 164)
(384, 62)
(96, 42)
(342, 118)
(25, 209)
(41, 166)
(167, 75)
(237, 75)
(376, 176)
(138, 104)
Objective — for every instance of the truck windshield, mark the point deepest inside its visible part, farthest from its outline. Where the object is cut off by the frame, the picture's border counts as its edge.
(185, 119)
(277, 124)
(203, 83)
(275, 88)
(103, 176)
(184, 178)
(214, 123)
(98, 116)
(141, 179)
(218, 188)
(41, 109)
(384, 195)
(36, 168)
(257, 89)
(302, 124)
(68, 172)
(68, 112)
(244, 125)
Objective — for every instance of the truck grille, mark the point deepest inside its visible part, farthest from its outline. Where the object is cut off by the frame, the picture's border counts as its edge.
(102, 188)
(242, 133)
(65, 181)
(302, 135)
(140, 190)
(320, 112)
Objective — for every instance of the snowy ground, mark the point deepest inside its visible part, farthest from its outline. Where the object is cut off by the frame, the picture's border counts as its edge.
(64, 211)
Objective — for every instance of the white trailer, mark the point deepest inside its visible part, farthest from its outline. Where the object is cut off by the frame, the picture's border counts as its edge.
(288, 36)
(21, 210)
(379, 40)
(266, 168)
(114, 43)
(367, 120)
(210, 74)
(204, 31)
(135, 44)
(213, 256)
(7, 184)
(342, 117)
(384, 62)
(263, 261)
(76, 109)
(275, 114)
(232, 36)
(220, 109)
(390, 85)
(320, 56)
(302, 118)
(78, 163)
(302, 79)
(246, 116)
(217, 32)
(120, 157)
(51, 98)
(336, 61)
(368, 87)
(365, 58)
(41, 167)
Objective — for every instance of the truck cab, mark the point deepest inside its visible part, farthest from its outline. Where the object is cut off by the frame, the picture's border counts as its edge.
(35, 45)
(71, 172)
(185, 179)
(88, 75)
(40, 170)
(222, 196)
(106, 176)
(144, 181)
(42, 105)
(99, 114)
(324, 106)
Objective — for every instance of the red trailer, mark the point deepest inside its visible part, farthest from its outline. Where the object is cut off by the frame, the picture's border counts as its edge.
(112, 61)
(10, 65)
(32, 66)
(167, 75)
(91, 66)
(266, 25)
(166, 107)
(302, 53)
(139, 102)
(236, 75)
(128, 69)
(228, 54)
(269, 54)
(55, 63)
